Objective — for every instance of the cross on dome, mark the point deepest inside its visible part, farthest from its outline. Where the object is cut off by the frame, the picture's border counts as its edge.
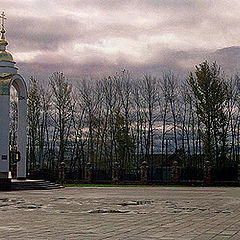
(3, 41)
(3, 18)
(4, 54)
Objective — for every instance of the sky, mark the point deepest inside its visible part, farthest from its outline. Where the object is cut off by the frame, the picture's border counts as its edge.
(100, 37)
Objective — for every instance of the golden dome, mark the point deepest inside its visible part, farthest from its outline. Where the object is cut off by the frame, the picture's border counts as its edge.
(6, 56)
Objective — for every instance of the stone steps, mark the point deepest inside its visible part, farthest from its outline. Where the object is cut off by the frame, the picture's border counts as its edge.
(34, 185)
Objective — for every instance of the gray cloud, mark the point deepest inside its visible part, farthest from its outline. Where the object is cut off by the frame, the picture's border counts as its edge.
(181, 62)
(102, 36)
(31, 33)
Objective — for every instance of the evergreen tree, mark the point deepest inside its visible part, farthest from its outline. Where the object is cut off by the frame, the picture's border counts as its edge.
(124, 141)
(210, 92)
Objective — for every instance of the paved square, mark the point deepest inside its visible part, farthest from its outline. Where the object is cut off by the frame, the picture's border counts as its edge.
(121, 213)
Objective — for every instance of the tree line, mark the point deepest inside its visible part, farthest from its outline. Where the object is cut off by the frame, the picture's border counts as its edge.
(129, 120)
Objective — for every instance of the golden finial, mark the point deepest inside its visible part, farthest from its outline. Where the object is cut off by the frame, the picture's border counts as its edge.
(3, 17)
(2, 40)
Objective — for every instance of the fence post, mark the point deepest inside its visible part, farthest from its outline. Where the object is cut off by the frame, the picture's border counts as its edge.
(88, 173)
(61, 173)
(207, 173)
(144, 173)
(175, 173)
(116, 173)
(238, 173)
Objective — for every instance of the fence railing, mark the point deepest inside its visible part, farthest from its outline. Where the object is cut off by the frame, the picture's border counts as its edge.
(174, 174)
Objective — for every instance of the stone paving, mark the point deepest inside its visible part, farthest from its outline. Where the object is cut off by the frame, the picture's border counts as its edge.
(121, 213)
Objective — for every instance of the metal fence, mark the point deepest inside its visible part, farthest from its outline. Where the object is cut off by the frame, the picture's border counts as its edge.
(159, 171)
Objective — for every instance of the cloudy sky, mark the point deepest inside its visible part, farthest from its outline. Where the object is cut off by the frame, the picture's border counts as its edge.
(99, 37)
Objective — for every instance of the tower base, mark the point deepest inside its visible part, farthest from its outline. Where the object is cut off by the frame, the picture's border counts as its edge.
(5, 184)
(5, 181)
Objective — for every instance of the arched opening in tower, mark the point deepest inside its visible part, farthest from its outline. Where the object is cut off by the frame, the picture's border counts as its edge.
(13, 127)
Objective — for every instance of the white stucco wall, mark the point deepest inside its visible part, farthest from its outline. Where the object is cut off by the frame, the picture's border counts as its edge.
(18, 82)
(22, 136)
(4, 132)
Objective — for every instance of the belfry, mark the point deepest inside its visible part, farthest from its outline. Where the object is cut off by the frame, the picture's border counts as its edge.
(9, 77)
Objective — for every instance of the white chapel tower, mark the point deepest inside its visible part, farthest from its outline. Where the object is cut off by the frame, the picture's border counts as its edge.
(9, 77)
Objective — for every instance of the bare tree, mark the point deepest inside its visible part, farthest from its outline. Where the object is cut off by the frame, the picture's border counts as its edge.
(62, 101)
